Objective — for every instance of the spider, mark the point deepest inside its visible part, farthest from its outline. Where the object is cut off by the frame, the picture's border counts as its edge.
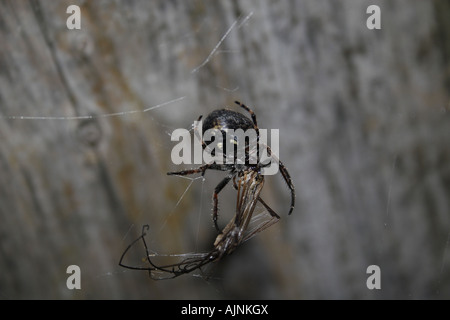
(223, 120)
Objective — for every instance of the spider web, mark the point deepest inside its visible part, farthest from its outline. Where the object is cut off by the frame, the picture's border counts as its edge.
(195, 191)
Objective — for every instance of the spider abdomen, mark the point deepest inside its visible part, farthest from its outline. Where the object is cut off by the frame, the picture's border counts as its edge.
(229, 122)
(224, 119)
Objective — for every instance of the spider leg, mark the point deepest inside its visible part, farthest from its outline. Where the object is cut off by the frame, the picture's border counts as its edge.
(197, 134)
(271, 211)
(288, 180)
(255, 123)
(252, 114)
(202, 169)
(286, 177)
(217, 190)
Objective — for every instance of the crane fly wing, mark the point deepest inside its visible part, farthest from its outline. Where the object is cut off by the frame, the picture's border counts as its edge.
(248, 198)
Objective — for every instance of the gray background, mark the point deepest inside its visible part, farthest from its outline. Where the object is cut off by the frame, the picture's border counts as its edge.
(364, 131)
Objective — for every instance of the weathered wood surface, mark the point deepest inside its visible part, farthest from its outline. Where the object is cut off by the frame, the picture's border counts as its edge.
(364, 125)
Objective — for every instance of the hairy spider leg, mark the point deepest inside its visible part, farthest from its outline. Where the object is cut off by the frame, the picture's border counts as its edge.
(286, 177)
(255, 123)
(283, 169)
(252, 114)
(198, 135)
(217, 189)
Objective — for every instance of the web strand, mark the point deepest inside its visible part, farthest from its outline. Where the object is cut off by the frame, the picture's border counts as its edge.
(106, 115)
(214, 50)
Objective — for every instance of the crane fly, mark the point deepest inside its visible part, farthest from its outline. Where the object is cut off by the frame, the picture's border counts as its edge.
(242, 227)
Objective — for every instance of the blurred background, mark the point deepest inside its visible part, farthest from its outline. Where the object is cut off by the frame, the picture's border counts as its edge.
(364, 119)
